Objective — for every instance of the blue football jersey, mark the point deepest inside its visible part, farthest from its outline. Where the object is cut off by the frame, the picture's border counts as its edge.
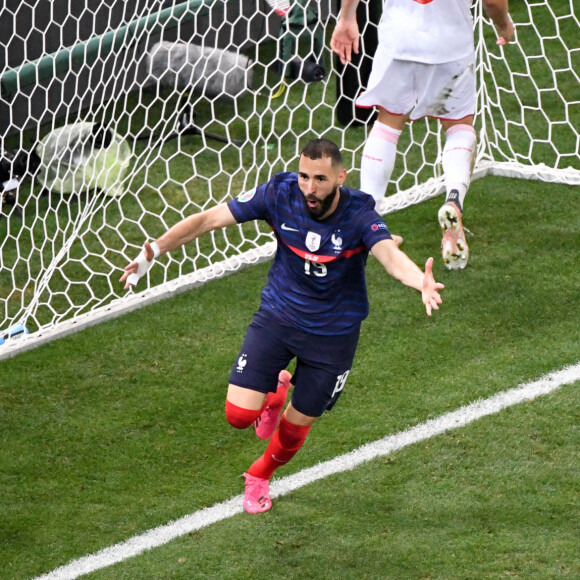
(317, 281)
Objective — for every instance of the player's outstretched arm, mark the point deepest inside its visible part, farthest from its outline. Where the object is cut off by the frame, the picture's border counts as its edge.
(345, 37)
(401, 267)
(187, 230)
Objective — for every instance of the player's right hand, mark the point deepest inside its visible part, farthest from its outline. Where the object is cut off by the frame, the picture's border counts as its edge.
(345, 40)
(140, 266)
(505, 34)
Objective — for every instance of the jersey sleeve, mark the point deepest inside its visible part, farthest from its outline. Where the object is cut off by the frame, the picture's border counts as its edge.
(252, 205)
(372, 227)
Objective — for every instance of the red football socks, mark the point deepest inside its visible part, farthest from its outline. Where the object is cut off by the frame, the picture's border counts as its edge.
(276, 399)
(239, 417)
(283, 445)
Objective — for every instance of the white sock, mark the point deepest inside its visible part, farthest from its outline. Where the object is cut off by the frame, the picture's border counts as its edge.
(378, 160)
(458, 159)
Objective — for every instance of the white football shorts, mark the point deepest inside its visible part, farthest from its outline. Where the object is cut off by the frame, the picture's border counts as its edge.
(444, 91)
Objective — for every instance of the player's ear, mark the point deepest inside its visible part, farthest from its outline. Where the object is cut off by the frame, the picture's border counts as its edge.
(342, 176)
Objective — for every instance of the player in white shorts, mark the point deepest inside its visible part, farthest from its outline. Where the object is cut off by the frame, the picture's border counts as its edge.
(424, 66)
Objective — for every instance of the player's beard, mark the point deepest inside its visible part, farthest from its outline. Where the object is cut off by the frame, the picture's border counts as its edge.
(323, 205)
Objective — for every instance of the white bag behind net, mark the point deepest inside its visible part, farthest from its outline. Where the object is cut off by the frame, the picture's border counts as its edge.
(117, 121)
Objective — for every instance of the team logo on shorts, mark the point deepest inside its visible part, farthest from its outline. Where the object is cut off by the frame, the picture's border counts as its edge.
(247, 195)
(378, 226)
(312, 241)
(242, 362)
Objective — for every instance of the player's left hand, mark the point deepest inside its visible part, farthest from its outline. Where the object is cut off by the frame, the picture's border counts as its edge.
(430, 291)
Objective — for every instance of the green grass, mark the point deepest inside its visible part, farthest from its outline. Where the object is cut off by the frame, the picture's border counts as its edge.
(120, 428)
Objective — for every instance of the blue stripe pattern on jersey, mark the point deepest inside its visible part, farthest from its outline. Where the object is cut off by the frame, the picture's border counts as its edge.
(317, 281)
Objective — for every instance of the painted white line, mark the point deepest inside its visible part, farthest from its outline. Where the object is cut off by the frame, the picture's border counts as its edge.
(205, 517)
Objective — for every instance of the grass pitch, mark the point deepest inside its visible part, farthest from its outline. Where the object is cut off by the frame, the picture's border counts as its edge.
(120, 428)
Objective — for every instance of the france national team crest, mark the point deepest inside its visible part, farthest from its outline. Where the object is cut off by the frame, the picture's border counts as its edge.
(242, 362)
(336, 242)
(312, 241)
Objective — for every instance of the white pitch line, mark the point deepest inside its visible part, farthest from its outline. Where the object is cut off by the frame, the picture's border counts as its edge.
(205, 517)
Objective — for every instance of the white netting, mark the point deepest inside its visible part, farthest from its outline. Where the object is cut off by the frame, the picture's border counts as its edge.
(530, 93)
(118, 119)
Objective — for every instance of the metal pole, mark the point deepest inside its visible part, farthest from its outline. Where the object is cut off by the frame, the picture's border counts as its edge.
(89, 51)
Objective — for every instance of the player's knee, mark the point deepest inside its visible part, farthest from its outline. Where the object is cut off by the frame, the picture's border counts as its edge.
(239, 417)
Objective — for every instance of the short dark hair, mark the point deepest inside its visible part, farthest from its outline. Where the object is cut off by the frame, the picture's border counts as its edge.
(319, 148)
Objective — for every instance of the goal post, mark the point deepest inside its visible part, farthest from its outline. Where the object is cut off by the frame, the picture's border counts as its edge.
(118, 120)
(529, 94)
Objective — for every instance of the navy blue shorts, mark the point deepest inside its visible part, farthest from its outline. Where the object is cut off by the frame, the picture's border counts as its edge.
(322, 365)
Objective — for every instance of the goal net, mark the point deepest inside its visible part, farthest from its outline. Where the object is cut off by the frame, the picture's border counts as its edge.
(118, 119)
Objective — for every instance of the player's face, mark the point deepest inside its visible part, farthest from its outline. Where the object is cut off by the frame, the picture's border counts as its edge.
(319, 183)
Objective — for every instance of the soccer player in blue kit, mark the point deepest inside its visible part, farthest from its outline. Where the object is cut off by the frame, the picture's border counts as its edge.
(312, 305)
